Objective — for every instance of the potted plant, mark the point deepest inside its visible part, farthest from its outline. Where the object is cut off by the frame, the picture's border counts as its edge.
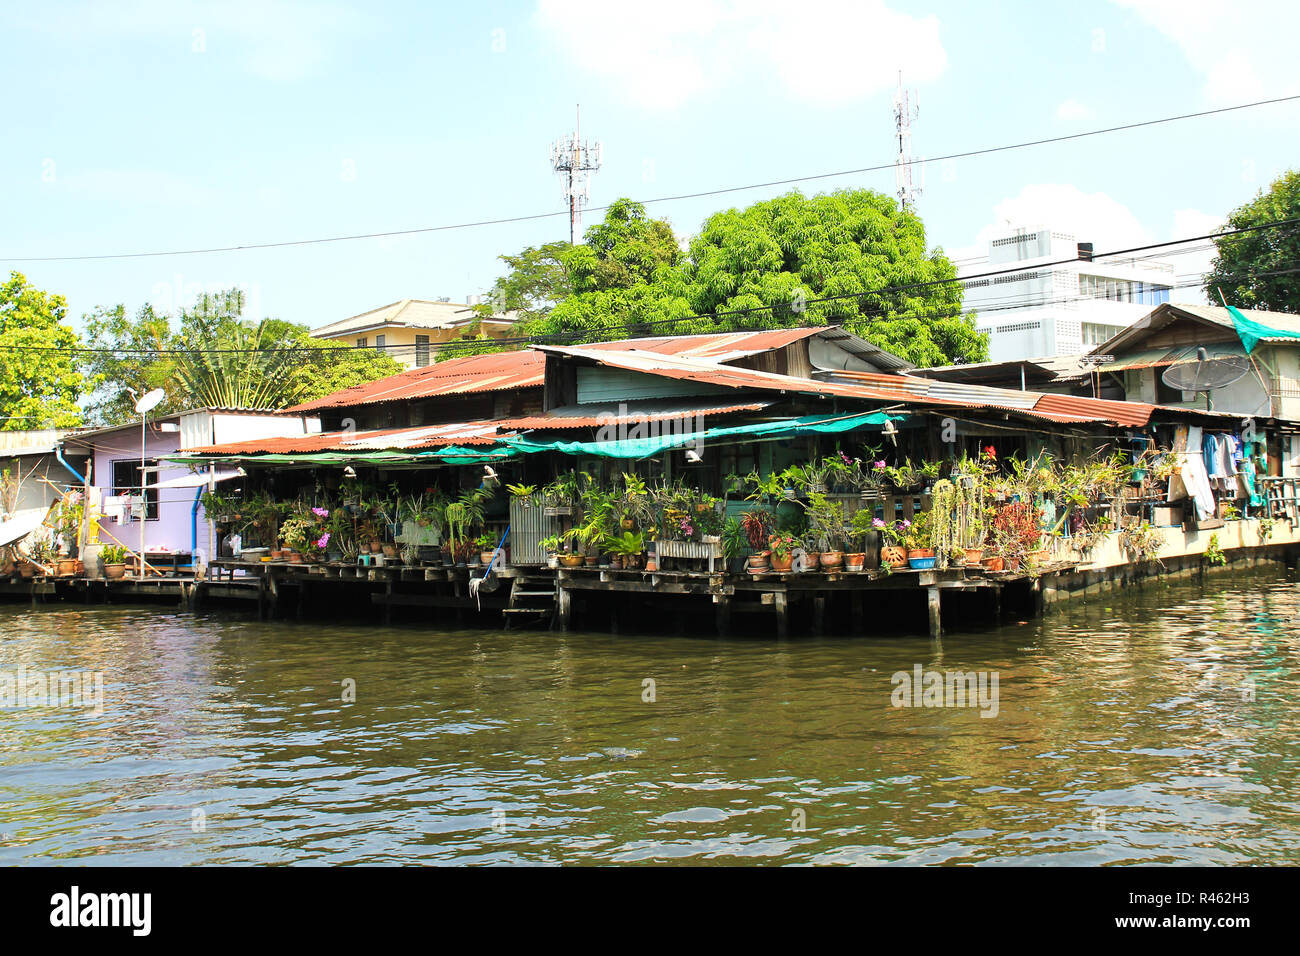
(757, 526)
(826, 520)
(811, 555)
(894, 533)
(113, 558)
(782, 548)
(486, 545)
(920, 550)
(628, 547)
(734, 545)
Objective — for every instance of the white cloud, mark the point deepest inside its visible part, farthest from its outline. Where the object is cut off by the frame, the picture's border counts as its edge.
(1245, 49)
(824, 52)
(1074, 110)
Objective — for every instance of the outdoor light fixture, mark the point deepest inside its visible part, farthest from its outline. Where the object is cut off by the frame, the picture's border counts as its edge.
(693, 456)
(349, 471)
(240, 472)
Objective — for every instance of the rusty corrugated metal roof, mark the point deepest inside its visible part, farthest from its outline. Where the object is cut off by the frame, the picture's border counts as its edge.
(493, 372)
(696, 370)
(483, 432)
(590, 416)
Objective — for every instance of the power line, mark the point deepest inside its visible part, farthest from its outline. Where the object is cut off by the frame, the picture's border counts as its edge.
(965, 154)
(551, 338)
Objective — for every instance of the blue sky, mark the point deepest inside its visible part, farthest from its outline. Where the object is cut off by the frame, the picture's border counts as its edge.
(171, 125)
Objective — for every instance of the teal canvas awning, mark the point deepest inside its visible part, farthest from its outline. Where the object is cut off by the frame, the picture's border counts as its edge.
(1250, 331)
(644, 447)
(664, 437)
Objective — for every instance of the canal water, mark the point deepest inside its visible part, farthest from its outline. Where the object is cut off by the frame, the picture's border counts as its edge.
(1157, 726)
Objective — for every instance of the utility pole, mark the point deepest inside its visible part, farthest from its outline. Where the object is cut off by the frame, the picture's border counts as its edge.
(575, 161)
(906, 109)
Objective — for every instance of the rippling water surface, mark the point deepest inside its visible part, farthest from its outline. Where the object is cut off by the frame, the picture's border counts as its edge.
(1156, 727)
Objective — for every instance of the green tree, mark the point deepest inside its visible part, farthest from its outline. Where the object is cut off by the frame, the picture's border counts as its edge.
(210, 355)
(624, 278)
(787, 261)
(128, 360)
(537, 280)
(771, 263)
(1253, 269)
(40, 378)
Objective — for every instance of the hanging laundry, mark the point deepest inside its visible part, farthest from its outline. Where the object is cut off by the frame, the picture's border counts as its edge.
(1210, 455)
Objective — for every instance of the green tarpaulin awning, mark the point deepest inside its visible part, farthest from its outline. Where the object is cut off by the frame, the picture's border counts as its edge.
(643, 447)
(1250, 331)
(632, 445)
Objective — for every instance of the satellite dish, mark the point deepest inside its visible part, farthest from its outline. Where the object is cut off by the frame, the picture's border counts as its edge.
(149, 400)
(1206, 373)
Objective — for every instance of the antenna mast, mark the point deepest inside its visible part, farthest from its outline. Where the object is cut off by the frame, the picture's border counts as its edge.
(906, 109)
(575, 161)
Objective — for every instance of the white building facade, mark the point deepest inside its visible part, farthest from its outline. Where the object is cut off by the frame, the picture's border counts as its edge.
(1058, 300)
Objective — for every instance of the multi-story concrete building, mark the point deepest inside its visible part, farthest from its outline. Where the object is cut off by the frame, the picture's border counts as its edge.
(1059, 300)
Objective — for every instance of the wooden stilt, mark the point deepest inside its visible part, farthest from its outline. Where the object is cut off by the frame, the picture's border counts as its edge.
(855, 611)
(722, 614)
(819, 614)
(935, 607)
(781, 605)
(564, 607)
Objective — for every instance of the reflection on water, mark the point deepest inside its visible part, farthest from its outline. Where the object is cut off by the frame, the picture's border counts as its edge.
(1126, 733)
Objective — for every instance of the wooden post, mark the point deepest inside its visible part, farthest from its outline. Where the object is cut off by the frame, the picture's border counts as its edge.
(388, 602)
(564, 607)
(855, 611)
(936, 618)
(722, 614)
(781, 605)
(819, 614)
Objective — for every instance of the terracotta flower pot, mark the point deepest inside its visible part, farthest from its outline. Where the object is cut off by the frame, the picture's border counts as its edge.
(832, 559)
(571, 560)
(974, 555)
(920, 553)
(591, 560)
(293, 557)
(390, 550)
(485, 557)
(68, 566)
(782, 564)
(115, 572)
(376, 547)
(994, 563)
(854, 561)
(812, 560)
(758, 562)
(893, 555)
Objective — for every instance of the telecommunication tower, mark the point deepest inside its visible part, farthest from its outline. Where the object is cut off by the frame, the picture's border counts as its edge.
(575, 161)
(905, 110)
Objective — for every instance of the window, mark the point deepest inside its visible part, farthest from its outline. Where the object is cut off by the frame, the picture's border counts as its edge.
(126, 481)
(362, 342)
(380, 341)
(421, 351)
(1166, 394)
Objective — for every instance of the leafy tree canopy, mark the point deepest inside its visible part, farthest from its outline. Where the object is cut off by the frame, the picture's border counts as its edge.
(215, 357)
(40, 378)
(762, 267)
(1253, 269)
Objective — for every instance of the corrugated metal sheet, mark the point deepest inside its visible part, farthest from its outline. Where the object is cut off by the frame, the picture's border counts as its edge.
(576, 416)
(696, 370)
(496, 371)
(400, 439)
